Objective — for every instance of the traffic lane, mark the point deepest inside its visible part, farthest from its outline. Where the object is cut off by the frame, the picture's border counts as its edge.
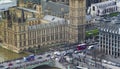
(14, 64)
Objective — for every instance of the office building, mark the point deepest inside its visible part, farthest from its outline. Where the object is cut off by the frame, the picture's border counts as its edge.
(109, 36)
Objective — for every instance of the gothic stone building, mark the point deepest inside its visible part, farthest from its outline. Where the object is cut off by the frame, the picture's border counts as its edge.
(21, 34)
(25, 28)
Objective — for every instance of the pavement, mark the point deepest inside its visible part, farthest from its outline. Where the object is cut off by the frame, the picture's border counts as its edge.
(116, 60)
(104, 64)
(110, 66)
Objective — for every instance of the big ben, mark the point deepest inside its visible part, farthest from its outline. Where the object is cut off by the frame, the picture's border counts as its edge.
(77, 21)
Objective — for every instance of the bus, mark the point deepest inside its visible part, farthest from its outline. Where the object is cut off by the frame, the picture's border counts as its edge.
(81, 46)
(29, 58)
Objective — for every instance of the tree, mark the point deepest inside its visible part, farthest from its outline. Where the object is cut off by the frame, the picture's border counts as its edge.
(92, 34)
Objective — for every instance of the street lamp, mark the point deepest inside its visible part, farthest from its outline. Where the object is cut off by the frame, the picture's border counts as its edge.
(35, 52)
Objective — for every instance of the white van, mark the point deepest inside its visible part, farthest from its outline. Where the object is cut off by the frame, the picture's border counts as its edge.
(18, 61)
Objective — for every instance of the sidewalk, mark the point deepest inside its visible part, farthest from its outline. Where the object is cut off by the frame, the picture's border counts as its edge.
(110, 66)
(112, 59)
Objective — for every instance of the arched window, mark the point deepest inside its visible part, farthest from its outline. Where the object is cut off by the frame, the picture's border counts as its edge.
(93, 8)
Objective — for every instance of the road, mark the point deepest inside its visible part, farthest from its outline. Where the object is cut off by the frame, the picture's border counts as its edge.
(23, 63)
(89, 61)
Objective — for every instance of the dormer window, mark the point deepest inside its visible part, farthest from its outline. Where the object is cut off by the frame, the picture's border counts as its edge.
(53, 19)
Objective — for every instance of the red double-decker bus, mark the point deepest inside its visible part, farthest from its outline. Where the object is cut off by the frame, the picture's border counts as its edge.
(81, 46)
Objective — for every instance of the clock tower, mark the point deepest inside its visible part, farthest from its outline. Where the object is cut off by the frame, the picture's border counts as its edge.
(77, 21)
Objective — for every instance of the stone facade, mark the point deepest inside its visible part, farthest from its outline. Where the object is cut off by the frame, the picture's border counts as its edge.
(23, 34)
(24, 28)
(77, 21)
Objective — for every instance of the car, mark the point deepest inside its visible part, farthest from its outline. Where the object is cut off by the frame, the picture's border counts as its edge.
(90, 63)
(70, 50)
(1, 66)
(18, 61)
(104, 61)
(7, 67)
(114, 64)
(48, 55)
(75, 51)
(109, 62)
(39, 57)
(52, 57)
(118, 65)
(90, 47)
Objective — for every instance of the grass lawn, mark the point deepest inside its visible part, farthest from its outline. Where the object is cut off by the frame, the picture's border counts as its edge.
(9, 55)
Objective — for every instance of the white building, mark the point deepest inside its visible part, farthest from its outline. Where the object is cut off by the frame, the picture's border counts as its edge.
(109, 36)
(104, 8)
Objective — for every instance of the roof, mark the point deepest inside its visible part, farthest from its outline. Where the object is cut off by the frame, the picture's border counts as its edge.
(55, 8)
(46, 25)
(31, 19)
(33, 1)
(113, 26)
(26, 9)
(5, 1)
(6, 4)
(104, 4)
(52, 18)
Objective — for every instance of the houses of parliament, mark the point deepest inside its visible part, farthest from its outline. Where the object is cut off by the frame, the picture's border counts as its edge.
(24, 28)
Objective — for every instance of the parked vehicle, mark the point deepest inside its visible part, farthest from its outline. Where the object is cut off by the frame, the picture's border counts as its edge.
(1, 66)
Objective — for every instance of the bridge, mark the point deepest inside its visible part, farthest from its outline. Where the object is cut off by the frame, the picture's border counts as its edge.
(33, 64)
(49, 63)
(22, 64)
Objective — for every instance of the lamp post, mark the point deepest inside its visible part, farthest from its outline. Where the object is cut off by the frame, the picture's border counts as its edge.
(35, 52)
